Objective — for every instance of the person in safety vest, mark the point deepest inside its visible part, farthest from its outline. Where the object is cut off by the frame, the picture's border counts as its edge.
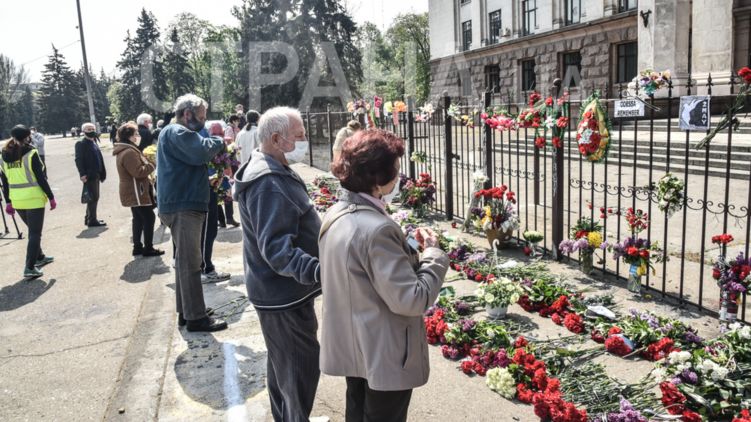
(26, 190)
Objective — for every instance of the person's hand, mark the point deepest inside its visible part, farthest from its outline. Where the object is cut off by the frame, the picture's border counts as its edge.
(426, 237)
(9, 209)
(84, 178)
(53, 204)
(216, 129)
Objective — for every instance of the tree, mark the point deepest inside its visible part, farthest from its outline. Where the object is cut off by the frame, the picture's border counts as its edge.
(380, 75)
(177, 69)
(410, 38)
(304, 24)
(143, 48)
(11, 80)
(60, 95)
(25, 108)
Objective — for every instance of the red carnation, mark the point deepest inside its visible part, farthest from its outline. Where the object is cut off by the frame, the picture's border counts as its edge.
(520, 342)
(467, 366)
(478, 277)
(524, 394)
(672, 399)
(614, 330)
(527, 250)
(659, 349)
(632, 251)
(690, 416)
(549, 101)
(557, 142)
(453, 224)
(574, 323)
(562, 122)
(617, 346)
(557, 319)
(540, 142)
(597, 337)
(745, 73)
(745, 416)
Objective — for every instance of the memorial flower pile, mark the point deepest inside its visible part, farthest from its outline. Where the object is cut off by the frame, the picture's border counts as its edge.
(496, 211)
(418, 194)
(710, 383)
(322, 192)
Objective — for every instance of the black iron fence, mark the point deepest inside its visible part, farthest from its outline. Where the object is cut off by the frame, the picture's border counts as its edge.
(556, 186)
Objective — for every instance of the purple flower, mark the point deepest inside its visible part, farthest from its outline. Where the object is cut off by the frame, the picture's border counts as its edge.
(627, 414)
(462, 308)
(467, 325)
(501, 359)
(676, 381)
(691, 337)
(689, 376)
(582, 243)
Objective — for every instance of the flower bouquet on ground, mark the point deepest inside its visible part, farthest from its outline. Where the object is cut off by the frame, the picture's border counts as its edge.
(733, 277)
(322, 192)
(710, 383)
(587, 238)
(496, 215)
(418, 194)
(533, 238)
(642, 331)
(639, 253)
(496, 295)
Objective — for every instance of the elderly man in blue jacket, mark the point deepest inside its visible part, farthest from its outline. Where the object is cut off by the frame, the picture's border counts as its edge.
(280, 251)
(183, 199)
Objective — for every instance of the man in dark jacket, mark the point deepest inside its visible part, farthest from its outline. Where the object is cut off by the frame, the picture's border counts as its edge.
(183, 200)
(280, 251)
(91, 170)
(144, 130)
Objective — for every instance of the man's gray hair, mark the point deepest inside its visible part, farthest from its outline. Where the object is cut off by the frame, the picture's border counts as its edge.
(189, 102)
(141, 119)
(276, 120)
(83, 126)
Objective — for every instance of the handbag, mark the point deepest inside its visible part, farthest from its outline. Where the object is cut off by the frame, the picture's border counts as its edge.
(85, 196)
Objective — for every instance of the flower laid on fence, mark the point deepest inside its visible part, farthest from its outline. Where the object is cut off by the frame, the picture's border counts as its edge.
(593, 132)
(709, 382)
(496, 214)
(468, 120)
(358, 107)
(670, 194)
(648, 82)
(498, 118)
(498, 293)
(418, 194)
(733, 277)
(729, 119)
(587, 238)
(425, 113)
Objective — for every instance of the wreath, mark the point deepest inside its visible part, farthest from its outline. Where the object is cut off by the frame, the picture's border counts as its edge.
(593, 131)
(670, 194)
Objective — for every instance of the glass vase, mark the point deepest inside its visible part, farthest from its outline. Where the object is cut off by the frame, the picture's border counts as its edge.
(728, 308)
(586, 262)
(535, 251)
(634, 279)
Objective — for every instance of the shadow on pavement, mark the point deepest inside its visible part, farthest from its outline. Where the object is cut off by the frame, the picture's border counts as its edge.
(141, 269)
(22, 293)
(233, 235)
(91, 232)
(228, 304)
(201, 371)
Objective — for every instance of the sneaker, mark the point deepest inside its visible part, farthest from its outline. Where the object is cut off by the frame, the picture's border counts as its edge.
(214, 277)
(206, 324)
(31, 273)
(152, 252)
(44, 261)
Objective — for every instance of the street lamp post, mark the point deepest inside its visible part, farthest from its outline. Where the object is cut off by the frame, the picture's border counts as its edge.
(86, 75)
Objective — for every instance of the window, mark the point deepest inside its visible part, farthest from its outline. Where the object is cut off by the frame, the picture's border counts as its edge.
(529, 16)
(626, 5)
(495, 26)
(493, 78)
(627, 56)
(465, 83)
(571, 67)
(573, 12)
(463, 2)
(528, 75)
(466, 35)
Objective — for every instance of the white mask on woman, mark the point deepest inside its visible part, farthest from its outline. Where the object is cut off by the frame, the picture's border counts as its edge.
(387, 198)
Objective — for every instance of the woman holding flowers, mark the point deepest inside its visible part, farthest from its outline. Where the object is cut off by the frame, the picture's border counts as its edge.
(375, 286)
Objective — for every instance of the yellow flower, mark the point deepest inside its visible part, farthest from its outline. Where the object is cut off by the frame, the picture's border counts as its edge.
(595, 239)
(642, 270)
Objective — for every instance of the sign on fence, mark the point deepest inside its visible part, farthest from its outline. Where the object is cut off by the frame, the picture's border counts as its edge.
(694, 113)
(629, 108)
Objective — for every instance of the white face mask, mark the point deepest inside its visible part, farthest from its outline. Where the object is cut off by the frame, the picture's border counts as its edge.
(387, 198)
(297, 154)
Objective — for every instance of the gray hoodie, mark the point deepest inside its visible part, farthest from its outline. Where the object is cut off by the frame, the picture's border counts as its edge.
(280, 234)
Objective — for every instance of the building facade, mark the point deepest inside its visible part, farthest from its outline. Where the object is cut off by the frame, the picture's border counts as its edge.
(511, 47)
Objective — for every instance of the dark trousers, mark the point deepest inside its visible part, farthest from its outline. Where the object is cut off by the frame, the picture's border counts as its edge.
(208, 234)
(34, 220)
(292, 361)
(366, 405)
(93, 186)
(227, 213)
(185, 227)
(143, 223)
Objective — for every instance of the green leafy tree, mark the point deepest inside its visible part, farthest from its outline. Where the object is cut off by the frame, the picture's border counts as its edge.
(60, 96)
(177, 68)
(25, 108)
(12, 78)
(410, 39)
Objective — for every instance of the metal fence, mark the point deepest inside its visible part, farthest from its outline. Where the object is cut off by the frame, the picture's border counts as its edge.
(555, 187)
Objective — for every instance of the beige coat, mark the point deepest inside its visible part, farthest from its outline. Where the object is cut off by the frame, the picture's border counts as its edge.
(134, 170)
(375, 291)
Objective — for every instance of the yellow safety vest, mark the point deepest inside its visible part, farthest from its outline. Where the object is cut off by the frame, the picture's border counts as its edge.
(25, 193)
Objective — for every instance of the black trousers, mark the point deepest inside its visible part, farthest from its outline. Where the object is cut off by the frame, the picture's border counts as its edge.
(34, 220)
(292, 361)
(208, 234)
(93, 186)
(366, 405)
(143, 223)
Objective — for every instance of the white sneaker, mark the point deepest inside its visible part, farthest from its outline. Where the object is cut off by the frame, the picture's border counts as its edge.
(319, 419)
(214, 277)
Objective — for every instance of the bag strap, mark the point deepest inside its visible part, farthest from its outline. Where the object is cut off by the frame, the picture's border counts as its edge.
(348, 210)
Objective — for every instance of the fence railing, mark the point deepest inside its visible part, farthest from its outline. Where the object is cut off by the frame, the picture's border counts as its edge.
(557, 186)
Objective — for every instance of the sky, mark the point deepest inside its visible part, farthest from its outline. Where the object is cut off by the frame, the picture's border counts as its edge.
(30, 27)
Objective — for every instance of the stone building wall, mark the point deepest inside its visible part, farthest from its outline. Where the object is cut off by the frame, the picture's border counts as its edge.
(595, 41)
